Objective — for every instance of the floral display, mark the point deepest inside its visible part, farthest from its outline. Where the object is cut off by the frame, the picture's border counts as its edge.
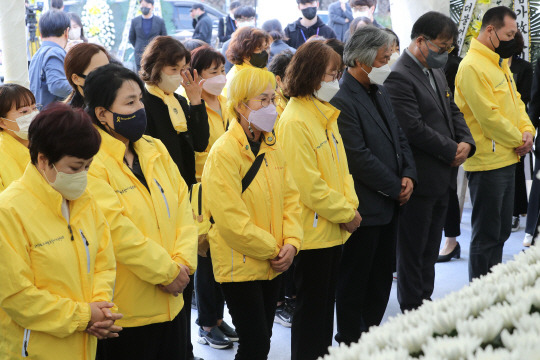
(97, 19)
(494, 317)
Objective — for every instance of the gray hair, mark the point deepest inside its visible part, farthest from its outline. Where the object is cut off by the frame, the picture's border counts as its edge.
(364, 44)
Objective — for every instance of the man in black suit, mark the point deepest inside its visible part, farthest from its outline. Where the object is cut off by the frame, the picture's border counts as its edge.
(144, 28)
(227, 25)
(440, 141)
(202, 23)
(382, 166)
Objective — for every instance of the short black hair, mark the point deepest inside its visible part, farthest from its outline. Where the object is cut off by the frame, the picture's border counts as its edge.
(273, 27)
(306, 1)
(245, 12)
(60, 130)
(520, 43)
(101, 87)
(337, 45)
(434, 24)
(13, 95)
(54, 23)
(368, 3)
(234, 5)
(495, 16)
(57, 4)
(279, 63)
(197, 6)
(148, 1)
(192, 44)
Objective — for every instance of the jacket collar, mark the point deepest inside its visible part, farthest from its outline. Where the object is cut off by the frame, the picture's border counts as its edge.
(117, 149)
(15, 149)
(324, 111)
(318, 24)
(483, 50)
(237, 131)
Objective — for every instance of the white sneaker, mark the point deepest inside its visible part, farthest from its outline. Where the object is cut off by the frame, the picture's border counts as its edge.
(527, 241)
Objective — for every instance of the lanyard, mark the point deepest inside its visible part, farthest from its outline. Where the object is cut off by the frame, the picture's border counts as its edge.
(232, 24)
(304, 35)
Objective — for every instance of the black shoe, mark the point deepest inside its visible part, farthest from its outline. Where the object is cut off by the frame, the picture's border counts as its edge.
(290, 305)
(456, 253)
(215, 338)
(228, 331)
(283, 316)
(515, 223)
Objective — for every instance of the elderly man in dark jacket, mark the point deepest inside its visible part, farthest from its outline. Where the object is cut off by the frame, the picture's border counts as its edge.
(382, 166)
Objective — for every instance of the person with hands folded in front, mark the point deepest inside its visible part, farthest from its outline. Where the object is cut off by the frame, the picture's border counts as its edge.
(56, 254)
(146, 203)
(255, 204)
(309, 136)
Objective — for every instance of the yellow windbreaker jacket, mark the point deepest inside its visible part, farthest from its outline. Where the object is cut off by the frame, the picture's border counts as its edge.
(218, 126)
(251, 227)
(487, 96)
(152, 231)
(309, 136)
(51, 271)
(15, 157)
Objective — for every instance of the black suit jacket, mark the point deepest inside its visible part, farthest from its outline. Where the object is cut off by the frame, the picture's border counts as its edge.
(203, 28)
(139, 39)
(181, 146)
(225, 29)
(379, 156)
(432, 122)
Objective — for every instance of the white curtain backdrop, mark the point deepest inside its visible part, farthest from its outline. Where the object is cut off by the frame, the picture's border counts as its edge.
(405, 12)
(13, 42)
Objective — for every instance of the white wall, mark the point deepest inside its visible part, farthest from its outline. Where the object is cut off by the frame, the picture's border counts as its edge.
(13, 40)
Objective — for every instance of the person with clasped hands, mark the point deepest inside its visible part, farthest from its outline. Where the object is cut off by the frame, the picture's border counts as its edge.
(56, 253)
(146, 203)
(382, 166)
(486, 94)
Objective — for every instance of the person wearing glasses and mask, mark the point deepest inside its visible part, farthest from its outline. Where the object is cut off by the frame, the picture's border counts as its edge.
(309, 136)
(146, 202)
(440, 141)
(18, 109)
(487, 95)
(256, 209)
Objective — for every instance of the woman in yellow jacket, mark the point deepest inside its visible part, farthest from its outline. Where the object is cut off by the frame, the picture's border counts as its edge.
(17, 110)
(145, 201)
(257, 232)
(248, 49)
(310, 139)
(56, 256)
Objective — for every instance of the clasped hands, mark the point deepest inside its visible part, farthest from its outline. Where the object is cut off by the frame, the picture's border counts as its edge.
(102, 319)
(527, 144)
(179, 283)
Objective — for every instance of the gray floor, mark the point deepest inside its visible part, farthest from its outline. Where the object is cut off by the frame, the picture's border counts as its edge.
(450, 277)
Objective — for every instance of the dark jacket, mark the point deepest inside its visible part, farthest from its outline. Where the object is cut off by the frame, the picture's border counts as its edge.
(278, 47)
(450, 70)
(139, 39)
(523, 77)
(379, 156)
(203, 28)
(225, 28)
(338, 19)
(181, 146)
(432, 122)
(298, 34)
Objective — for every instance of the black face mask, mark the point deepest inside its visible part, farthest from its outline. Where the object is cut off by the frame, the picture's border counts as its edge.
(145, 10)
(259, 60)
(506, 48)
(310, 12)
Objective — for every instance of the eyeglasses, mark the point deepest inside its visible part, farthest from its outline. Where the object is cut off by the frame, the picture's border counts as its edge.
(448, 49)
(26, 109)
(266, 102)
(336, 76)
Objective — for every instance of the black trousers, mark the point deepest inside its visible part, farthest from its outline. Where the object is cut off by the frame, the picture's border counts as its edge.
(364, 279)
(159, 341)
(520, 197)
(287, 284)
(534, 199)
(187, 293)
(315, 277)
(252, 305)
(420, 231)
(452, 225)
(210, 301)
(492, 197)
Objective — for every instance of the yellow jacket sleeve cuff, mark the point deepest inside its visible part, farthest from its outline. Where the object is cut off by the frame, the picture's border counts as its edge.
(294, 242)
(276, 252)
(175, 274)
(85, 316)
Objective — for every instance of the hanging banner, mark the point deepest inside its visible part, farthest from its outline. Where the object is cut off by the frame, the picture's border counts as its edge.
(522, 10)
(464, 21)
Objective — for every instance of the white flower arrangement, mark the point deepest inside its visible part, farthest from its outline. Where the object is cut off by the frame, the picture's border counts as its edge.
(495, 317)
(97, 19)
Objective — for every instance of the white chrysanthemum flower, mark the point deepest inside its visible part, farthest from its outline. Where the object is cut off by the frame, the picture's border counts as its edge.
(485, 328)
(451, 348)
(491, 354)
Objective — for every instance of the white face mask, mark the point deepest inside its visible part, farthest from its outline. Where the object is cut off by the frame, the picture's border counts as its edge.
(74, 34)
(393, 58)
(215, 84)
(23, 122)
(357, 14)
(71, 186)
(241, 24)
(327, 91)
(377, 76)
(169, 83)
